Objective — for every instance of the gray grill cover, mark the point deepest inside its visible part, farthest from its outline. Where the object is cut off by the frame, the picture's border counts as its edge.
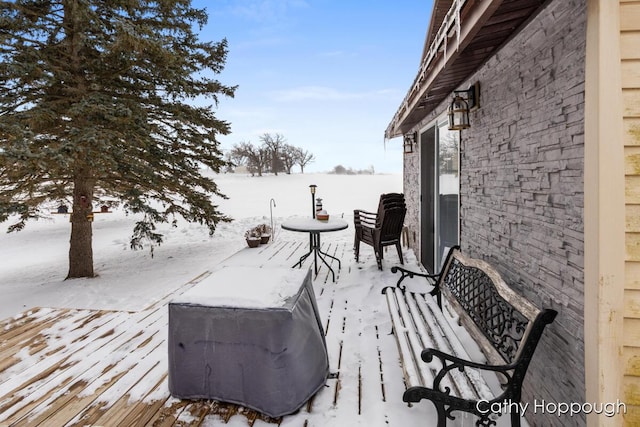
(271, 359)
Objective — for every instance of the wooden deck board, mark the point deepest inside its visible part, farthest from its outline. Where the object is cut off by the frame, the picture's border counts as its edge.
(95, 367)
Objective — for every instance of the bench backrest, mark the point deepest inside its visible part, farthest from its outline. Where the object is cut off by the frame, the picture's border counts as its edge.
(499, 320)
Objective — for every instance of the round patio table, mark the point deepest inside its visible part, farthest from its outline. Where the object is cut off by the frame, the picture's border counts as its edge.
(314, 227)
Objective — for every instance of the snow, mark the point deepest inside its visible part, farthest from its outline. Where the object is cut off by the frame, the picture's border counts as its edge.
(34, 265)
(310, 224)
(252, 287)
(35, 261)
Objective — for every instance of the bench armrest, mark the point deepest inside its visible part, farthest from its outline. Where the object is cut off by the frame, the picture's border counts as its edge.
(410, 274)
(450, 362)
(428, 354)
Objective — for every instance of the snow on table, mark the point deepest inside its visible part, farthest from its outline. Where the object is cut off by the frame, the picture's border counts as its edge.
(306, 224)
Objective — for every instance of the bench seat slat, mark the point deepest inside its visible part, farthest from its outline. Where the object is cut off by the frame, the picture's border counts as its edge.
(407, 358)
(430, 338)
(416, 345)
(473, 381)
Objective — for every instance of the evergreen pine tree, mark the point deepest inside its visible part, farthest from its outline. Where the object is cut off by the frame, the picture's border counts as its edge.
(105, 99)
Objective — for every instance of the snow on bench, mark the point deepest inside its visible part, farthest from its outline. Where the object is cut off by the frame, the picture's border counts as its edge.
(505, 326)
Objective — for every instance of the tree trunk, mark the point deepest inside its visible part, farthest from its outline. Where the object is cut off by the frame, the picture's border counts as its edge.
(80, 250)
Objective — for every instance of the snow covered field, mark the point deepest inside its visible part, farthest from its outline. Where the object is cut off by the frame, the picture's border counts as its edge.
(34, 262)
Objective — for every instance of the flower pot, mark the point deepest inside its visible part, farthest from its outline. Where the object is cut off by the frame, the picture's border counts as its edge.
(265, 238)
(253, 243)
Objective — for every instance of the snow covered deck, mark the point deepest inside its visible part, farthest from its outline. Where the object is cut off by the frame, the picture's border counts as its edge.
(109, 368)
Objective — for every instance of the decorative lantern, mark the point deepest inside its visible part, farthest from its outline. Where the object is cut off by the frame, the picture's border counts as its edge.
(409, 140)
(463, 102)
(458, 114)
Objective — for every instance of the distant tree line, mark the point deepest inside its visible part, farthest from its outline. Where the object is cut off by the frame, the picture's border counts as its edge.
(273, 155)
(341, 170)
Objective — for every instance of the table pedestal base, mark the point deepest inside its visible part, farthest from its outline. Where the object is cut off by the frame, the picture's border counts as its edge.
(314, 247)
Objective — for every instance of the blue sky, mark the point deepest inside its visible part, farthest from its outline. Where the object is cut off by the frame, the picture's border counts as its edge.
(327, 74)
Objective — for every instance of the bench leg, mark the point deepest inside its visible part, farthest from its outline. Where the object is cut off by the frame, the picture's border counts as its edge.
(442, 415)
(515, 419)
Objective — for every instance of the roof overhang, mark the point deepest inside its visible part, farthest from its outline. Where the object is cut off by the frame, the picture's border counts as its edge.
(468, 34)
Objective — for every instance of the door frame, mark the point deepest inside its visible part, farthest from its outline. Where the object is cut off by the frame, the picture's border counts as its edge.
(429, 226)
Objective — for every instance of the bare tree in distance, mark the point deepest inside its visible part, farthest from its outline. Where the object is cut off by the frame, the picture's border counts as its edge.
(255, 158)
(275, 145)
(303, 158)
(288, 157)
(273, 155)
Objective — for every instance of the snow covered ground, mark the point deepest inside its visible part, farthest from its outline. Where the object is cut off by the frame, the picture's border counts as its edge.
(34, 262)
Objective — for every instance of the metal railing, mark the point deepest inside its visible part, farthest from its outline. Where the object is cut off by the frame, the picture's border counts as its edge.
(451, 20)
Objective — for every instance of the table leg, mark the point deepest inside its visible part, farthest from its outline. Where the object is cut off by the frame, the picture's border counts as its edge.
(319, 254)
(302, 258)
(331, 256)
(314, 247)
(305, 256)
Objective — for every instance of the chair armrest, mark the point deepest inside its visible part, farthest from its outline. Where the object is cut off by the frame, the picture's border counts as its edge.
(363, 212)
(364, 218)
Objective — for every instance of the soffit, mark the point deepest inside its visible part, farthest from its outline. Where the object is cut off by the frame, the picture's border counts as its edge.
(484, 26)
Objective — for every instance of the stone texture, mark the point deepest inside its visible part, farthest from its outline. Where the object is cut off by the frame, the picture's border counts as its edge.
(521, 188)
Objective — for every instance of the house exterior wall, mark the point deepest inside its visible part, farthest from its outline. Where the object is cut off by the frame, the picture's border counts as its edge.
(521, 188)
(411, 188)
(604, 211)
(630, 65)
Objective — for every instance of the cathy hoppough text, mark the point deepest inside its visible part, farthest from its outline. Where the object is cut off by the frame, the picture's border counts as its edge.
(608, 409)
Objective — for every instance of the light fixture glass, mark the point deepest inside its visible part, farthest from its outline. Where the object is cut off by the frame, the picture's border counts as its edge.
(463, 102)
(409, 140)
(458, 114)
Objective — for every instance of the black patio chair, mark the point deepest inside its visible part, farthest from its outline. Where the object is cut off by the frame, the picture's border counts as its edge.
(382, 228)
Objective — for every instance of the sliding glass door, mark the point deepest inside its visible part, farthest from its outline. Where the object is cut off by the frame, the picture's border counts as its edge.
(448, 218)
(440, 189)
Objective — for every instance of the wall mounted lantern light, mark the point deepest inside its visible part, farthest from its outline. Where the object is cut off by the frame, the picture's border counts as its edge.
(409, 140)
(463, 102)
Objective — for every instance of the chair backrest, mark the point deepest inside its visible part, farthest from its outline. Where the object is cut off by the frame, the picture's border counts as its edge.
(391, 212)
(391, 200)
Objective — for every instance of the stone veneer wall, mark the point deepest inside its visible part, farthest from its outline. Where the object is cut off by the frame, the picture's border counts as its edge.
(521, 195)
(411, 186)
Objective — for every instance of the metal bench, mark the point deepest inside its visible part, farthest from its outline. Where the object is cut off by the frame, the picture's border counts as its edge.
(505, 326)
